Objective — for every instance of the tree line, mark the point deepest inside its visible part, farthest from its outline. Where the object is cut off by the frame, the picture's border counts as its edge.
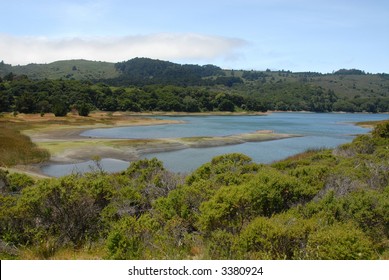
(20, 94)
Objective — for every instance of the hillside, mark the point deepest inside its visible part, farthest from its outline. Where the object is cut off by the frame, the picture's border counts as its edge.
(208, 87)
(146, 71)
(65, 69)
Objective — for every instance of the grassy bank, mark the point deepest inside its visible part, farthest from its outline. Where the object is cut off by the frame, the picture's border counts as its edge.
(16, 148)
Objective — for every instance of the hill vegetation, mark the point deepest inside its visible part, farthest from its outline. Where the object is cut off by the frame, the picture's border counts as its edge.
(323, 204)
(143, 84)
(65, 69)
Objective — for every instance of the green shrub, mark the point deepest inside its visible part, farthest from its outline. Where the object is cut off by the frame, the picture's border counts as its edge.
(220, 245)
(339, 242)
(229, 169)
(381, 130)
(280, 237)
(267, 193)
(18, 181)
(129, 238)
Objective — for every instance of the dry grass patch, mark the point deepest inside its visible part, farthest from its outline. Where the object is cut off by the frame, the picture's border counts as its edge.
(16, 148)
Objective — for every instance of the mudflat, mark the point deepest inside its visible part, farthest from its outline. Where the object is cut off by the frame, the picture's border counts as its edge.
(61, 136)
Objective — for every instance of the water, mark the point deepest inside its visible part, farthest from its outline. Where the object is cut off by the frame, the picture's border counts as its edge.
(318, 130)
(107, 164)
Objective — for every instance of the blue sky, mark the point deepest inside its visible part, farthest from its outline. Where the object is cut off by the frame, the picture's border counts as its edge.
(296, 35)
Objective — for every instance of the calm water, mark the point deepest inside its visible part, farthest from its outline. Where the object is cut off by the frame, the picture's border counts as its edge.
(318, 130)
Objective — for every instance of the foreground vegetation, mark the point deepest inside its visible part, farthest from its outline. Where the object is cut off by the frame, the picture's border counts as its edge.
(326, 204)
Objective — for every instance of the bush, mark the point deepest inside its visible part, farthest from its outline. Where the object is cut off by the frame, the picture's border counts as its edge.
(17, 181)
(229, 169)
(381, 130)
(220, 245)
(339, 242)
(267, 193)
(129, 238)
(67, 208)
(280, 237)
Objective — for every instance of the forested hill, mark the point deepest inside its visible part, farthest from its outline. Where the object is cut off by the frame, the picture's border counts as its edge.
(145, 71)
(144, 84)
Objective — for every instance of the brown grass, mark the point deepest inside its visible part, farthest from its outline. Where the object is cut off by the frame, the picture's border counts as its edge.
(370, 124)
(16, 148)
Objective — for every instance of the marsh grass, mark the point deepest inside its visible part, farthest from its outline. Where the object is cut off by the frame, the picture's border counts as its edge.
(16, 148)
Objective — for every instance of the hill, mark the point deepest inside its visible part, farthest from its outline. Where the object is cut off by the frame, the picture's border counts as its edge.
(65, 69)
(145, 71)
(351, 90)
(209, 87)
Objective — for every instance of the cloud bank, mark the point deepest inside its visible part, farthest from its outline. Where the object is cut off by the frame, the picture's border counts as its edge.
(168, 46)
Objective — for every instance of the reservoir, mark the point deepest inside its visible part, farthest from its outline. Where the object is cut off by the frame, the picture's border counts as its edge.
(317, 130)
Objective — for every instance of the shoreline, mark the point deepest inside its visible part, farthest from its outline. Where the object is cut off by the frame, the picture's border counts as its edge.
(79, 150)
(66, 145)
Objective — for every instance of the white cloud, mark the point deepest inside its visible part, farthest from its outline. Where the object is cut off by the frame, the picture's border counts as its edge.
(168, 46)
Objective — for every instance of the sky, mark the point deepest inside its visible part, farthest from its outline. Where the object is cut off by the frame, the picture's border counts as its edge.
(296, 35)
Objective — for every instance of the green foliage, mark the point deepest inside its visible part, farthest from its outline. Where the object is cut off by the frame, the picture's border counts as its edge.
(146, 71)
(220, 245)
(225, 170)
(268, 192)
(129, 238)
(144, 170)
(65, 69)
(339, 242)
(350, 72)
(60, 108)
(83, 108)
(143, 84)
(381, 130)
(370, 211)
(17, 181)
(279, 237)
(363, 144)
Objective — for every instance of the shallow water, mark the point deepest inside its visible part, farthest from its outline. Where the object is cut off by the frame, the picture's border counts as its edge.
(318, 130)
(107, 164)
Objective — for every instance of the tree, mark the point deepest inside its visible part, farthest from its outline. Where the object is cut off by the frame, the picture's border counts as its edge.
(25, 103)
(190, 104)
(226, 105)
(83, 108)
(60, 107)
(9, 77)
